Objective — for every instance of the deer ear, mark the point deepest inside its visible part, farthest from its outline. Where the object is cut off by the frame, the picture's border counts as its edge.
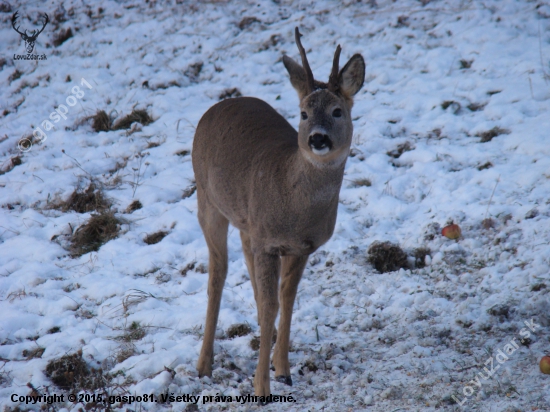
(297, 76)
(352, 76)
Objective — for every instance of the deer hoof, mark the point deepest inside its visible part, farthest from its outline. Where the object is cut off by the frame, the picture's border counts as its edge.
(287, 380)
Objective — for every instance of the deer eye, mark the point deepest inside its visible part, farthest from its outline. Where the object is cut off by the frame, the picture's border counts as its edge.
(337, 113)
(304, 115)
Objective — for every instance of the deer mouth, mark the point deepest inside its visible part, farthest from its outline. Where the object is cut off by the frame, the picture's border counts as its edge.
(320, 143)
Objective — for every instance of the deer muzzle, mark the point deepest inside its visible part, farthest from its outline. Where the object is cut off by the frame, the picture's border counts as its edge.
(320, 143)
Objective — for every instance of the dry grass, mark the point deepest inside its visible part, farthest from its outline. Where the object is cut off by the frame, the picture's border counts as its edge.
(133, 333)
(70, 372)
(247, 22)
(490, 134)
(154, 238)
(182, 153)
(15, 75)
(187, 268)
(101, 122)
(455, 106)
(486, 165)
(239, 329)
(96, 232)
(255, 341)
(420, 256)
(400, 149)
(135, 205)
(538, 287)
(127, 348)
(33, 353)
(387, 257)
(125, 351)
(137, 116)
(193, 71)
(189, 191)
(13, 162)
(62, 37)
(229, 93)
(465, 64)
(476, 107)
(488, 223)
(83, 201)
(362, 182)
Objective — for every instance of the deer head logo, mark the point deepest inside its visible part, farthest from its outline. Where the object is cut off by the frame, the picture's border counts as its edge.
(29, 40)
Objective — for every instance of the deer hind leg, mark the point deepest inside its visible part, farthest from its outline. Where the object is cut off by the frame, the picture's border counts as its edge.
(214, 226)
(266, 270)
(249, 257)
(292, 268)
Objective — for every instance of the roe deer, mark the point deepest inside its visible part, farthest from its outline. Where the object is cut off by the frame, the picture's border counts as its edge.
(277, 186)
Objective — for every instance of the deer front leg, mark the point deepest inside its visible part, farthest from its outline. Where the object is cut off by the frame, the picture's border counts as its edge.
(292, 268)
(266, 270)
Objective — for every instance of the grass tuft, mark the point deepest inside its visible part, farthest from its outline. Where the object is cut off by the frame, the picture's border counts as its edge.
(137, 116)
(486, 165)
(229, 93)
(96, 232)
(490, 134)
(155, 238)
(62, 37)
(247, 22)
(362, 182)
(465, 64)
(400, 149)
(387, 257)
(134, 333)
(89, 200)
(34, 353)
(239, 329)
(70, 372)
(189, 191)
(135, 205)
(255, 341)
(15, 75)
(420, 254)
(101, 121)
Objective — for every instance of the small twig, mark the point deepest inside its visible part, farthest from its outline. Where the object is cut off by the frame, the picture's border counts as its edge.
(13, 231)
(531, 87)
(190, 124)
(491, 198)
(546, 76)
(137, 173)
(78, 164)
(475, 365)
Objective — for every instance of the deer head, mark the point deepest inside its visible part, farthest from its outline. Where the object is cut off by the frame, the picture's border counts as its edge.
(29, 40)
(325, 130)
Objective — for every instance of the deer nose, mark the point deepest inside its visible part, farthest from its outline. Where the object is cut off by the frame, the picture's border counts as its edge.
(319, 141)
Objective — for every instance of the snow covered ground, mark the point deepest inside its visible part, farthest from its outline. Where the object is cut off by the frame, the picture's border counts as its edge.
(452, 125)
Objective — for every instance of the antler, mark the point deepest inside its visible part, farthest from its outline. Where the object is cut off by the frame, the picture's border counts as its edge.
(333, 78)
(309, 73)
(13, 20)
(46, 20)
(35, 33)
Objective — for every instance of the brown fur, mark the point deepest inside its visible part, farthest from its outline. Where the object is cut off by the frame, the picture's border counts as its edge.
(255, 171)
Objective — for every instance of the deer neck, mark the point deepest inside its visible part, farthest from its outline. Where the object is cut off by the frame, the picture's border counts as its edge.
(315, 178)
